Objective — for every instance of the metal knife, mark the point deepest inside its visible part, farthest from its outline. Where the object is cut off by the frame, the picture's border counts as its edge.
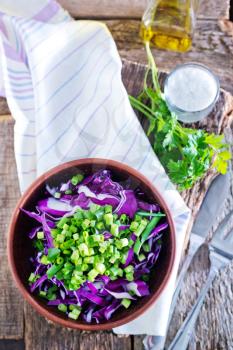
(212, 205)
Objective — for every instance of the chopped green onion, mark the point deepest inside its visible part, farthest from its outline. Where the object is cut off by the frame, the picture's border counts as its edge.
(133, 226)
(100, 267)
(62, 307)
(92, 275)
(74, 315)
(126, 302)
(53, 270)
(76, 236)
(42, 294)
(31, 278)
(129, 268)
(144, 213)
(141, 227)
(108, 218)
(114, 229)
(57, 195)
(53, 253)
(44, 260)
(141, 257)
(129, 276)
(100, 225)
(40, 235)
(150, 227)
(83, 249)
(146, 247)
(77, 179)
(68, 192)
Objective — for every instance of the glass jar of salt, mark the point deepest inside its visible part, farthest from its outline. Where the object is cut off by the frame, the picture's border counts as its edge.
(191, 91)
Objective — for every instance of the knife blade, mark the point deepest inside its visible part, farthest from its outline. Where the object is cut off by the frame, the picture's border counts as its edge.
(212, 205)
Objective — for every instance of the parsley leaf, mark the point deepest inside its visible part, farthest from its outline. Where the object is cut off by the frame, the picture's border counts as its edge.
(185, 153)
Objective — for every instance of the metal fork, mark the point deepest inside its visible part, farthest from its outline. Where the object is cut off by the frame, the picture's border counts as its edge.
(220, 253)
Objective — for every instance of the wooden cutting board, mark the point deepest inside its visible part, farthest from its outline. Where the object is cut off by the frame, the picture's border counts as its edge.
(23, 323)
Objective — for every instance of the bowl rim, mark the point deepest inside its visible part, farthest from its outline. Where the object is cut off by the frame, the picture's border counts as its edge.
(26, 294)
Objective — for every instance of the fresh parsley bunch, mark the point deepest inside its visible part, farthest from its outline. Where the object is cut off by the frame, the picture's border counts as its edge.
(185, 153)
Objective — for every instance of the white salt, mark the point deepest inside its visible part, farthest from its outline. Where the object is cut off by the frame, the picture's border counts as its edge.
(191, 88)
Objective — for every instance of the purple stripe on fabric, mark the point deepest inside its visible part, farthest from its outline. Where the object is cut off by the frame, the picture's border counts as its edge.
(155, 177)
(21, 91)
(3, 28)
(144, 159)
(22, 97)
(25, 154)
(28, 25)
(119, 131)
(20, 78)
(14, 84)
(13, 71)
(2, 92)
(74, 75)
(27, 110)
(91, 116)
(25, 135)
(19, 44)
(47, 12)
(31, 30)
(68, 56)
(131, 146)
(28, 172)
(71, 124)
(16, 36)
(11, 53)
(184, 216)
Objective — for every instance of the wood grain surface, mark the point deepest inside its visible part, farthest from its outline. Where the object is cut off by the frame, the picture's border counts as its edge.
(44, 335)
(211, 46)
(135, 8)
(11, 305)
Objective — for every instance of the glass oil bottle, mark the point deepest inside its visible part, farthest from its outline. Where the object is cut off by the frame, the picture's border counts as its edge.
(169, 24)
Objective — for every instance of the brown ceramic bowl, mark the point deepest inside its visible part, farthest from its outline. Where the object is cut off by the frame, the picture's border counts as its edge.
(20, 246)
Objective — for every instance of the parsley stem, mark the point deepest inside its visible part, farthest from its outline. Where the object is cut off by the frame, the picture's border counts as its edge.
(141, 107)
(154, 70)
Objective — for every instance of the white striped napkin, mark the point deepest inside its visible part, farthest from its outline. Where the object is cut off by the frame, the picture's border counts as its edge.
(62, 81)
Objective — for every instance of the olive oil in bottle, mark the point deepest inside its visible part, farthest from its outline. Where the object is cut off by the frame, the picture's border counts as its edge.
(169, 24)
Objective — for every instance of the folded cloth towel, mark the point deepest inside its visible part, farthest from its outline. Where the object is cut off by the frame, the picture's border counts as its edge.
(62, 81)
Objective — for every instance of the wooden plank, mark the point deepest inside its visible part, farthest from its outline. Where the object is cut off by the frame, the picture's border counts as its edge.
(3, 106)
(212, 47)
(134, 8)
(11, 344)
(217, 310)
(104, 340)
(105, 8)
(58, 338)
(11, 308)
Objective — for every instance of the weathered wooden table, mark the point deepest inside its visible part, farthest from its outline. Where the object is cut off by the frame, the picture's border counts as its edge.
(20, 326)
